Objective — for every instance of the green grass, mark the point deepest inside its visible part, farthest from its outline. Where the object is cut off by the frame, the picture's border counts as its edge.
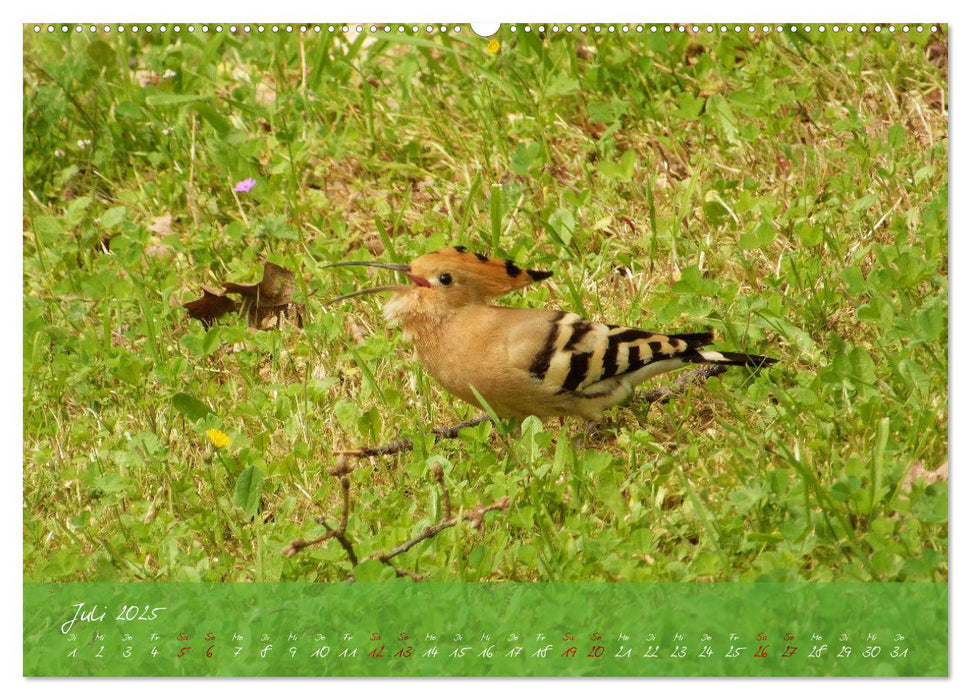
(789, 192)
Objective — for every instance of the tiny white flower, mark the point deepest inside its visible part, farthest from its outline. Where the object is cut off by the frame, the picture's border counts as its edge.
(59, 153)
(169, 73)
(84, 143)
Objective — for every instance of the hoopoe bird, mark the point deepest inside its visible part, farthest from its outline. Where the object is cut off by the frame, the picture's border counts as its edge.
(525, 361)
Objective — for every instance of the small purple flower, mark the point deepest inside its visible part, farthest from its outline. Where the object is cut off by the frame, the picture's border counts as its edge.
(245, 185)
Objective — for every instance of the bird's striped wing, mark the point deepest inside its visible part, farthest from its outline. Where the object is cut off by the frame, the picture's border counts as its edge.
(590, 359)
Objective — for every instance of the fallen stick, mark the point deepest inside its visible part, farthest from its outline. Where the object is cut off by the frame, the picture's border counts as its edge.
(449, 432)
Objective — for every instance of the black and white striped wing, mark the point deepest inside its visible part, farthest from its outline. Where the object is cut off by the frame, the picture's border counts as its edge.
(591, 359)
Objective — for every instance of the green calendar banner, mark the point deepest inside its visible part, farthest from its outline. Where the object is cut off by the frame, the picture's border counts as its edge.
(408, 629)
(411, 322)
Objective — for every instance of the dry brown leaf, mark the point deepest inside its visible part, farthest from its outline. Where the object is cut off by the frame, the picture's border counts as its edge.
(275, 289)
(935, 99)
(594, 129)
(374, 244)
(213, 304)
(266, 304)
(144, 78)
(937, 56)
(162, 225)
(269, 301)
(355, 331)
(160, 251)
(917, 471)
(265, 93)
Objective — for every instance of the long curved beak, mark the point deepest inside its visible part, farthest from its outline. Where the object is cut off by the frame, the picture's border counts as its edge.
(397, 267)
(369, 290)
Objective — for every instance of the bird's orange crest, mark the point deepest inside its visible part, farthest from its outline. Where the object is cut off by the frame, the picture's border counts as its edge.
(453, 275)
(491, 277)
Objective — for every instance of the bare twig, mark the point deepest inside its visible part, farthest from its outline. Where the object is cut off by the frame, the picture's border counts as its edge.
(339, 533)
(663, 394)
(449, 432)
(342, 469)
(439, 475)
(475, 516)
(405, 573)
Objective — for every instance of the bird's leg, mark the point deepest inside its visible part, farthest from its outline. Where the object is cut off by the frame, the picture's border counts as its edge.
(588, 432)
(513, 427)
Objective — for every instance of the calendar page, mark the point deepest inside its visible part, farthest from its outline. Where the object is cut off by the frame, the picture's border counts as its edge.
(485, 350)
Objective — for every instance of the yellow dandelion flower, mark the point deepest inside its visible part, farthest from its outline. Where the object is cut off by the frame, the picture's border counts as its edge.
(218, 438)
(494, 47)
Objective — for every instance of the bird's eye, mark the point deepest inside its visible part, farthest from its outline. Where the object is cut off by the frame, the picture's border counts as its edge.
(445, 279)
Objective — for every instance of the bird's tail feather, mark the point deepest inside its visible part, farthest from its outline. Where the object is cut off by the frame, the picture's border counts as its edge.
(695, 340)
